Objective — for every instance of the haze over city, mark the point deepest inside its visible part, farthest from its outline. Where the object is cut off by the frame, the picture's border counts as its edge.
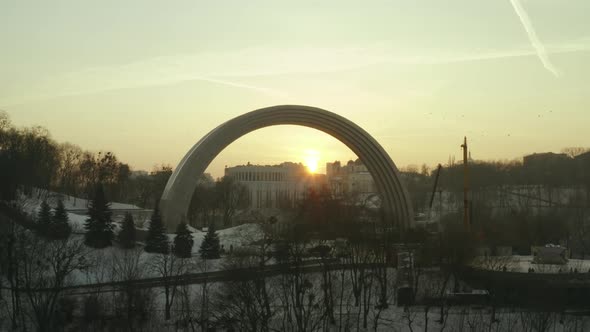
(297, 166)
(147, 80)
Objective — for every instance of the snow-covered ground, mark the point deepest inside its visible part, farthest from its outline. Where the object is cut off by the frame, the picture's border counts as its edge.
(31, 205)
(230, 239)
(517, 263)
(70, 202)
(75, 206)
(233, 237)
(102, 259)
(393, 318)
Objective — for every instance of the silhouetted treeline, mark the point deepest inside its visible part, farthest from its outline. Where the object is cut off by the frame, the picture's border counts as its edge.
(545, 169)
(219, 200)
(568, 169)
(30, 158)
(503, 216)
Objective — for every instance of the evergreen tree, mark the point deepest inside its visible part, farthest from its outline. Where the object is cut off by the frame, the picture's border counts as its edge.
(183, 241)
(156, 241)
(99, 227)
(44, 219)
(60, 223)
(127, 234)
(210, 247)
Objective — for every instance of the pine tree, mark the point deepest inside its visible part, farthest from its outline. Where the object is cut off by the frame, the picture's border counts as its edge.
(156, 241)
(44, 219)
(183, 241)
(210, 247)
(99, 227)
(126, 236)
(60, 223)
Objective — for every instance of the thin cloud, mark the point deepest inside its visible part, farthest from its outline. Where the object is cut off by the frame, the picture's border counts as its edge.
(268, 91)
(77, 84)
(535, 42)
(238, 69)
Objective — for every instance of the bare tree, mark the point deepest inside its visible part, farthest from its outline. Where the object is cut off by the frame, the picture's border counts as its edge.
(574, 151)
(169, 268)
(68, 171)
(344, 298)
(231, 196)
(537, 321)
(11, 236)
(45, 268)
(245, 303)
(297, 290)
(327, 262)
(128, 267)
(185, 307)
(409, 317)
(202, 207)
(204, 315)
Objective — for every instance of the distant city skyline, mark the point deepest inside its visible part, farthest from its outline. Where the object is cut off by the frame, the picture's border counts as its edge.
(510, 75)
(230, 156)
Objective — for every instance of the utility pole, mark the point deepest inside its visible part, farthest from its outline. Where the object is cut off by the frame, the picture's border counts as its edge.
(466, 221)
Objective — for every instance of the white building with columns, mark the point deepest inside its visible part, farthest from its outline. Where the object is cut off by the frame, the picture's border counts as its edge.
(275, 186)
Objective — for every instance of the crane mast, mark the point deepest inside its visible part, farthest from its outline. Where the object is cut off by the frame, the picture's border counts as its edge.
(466, 221)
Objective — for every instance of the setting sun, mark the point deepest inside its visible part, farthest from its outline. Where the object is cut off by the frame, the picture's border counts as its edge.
(311, 160)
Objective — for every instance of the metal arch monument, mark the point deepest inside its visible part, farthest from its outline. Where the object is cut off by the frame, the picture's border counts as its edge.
(177, 195)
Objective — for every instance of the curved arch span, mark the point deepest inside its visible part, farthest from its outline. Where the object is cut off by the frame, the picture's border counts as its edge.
(178, 193)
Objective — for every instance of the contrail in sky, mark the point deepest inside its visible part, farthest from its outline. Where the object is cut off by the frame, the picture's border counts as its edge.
(537, 45)
(268, 91)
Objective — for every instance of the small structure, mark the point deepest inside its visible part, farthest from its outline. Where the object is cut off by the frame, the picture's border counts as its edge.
(503, 251)
(483, 251)
(550, 254)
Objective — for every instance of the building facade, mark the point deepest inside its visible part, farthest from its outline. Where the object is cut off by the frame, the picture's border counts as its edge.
(351, 178)
(275, 186)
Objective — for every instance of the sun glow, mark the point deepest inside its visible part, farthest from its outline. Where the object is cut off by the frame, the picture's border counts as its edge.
(311, 160)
